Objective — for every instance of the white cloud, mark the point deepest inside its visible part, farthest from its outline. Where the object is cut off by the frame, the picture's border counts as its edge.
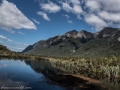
(5, 38)
(16, 46)
(111, 5)
(9, 81)
(93, 5)
(21, 33)
(44, 15)
(36, 21)
(66, 6)
(78, 16)
(75, 1)
(25, 45)
(3, 65)
(72, 6)
(97, 13)
(77, 9)
(21, 44)
(114, 17)
(50, 7)
(107, 13)
(96, 21)
(65, 15)
(69, 21)
(12, 18)
(20, 48)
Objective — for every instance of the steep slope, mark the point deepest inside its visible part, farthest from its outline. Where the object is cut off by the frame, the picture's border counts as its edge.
(4, 50)
(108, 31)
(79, 44)
(28, 48)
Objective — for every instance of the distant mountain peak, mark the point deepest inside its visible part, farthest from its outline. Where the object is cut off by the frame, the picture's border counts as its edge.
(83, 31)
(82, 42)
(107, 31)
(72, 32)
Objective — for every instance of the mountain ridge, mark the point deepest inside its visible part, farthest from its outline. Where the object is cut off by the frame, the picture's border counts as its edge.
(74, 43)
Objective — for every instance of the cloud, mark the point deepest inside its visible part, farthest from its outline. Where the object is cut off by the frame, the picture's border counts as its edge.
(75, 1)
(5, 38)
(9, 81)
(113, 17)
(36, 21)
(66, 6)
(69, 21)
(96, 21)
(44, 15)
(107, 13)
(92, 5)
(25, 45)
(20, 48)
(78, 16)
(21, 44)
(72, 7)
(21, 33)
(111, 5)
(103, 5)
(50, 7)
(12, 18)
(65, 15)
(3, 65)
(14, 46)
(77, 9)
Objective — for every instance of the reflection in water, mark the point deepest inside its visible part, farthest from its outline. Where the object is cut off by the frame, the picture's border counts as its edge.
(36, 75)
(16, 73)
(48, 70)
(44, 67)
(111, 83)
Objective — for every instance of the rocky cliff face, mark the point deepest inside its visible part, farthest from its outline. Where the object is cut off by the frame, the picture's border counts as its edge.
(82, 34)
(72, 41)
(108, 31)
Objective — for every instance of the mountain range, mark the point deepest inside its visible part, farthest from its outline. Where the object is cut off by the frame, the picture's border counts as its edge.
(79, 44)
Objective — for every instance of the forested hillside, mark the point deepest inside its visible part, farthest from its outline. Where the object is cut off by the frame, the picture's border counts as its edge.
(79, 44)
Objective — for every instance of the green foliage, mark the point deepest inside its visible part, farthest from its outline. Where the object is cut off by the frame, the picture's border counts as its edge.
(6, 53)
(74, 47)
(92, 67)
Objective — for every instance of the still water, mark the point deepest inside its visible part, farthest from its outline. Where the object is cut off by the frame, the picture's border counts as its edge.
(26, 75)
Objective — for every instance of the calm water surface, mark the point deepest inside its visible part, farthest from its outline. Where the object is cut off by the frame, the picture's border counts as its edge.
(26, 75)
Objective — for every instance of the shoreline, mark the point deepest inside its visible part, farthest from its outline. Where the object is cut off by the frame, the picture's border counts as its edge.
(78, 82)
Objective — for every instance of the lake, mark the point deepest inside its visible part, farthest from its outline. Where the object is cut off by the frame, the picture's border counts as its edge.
(27, 75)
(36, 75)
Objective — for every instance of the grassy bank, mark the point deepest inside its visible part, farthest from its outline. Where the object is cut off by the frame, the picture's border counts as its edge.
(22, 57)
(94, 68)
(97, 68)
(104, 68)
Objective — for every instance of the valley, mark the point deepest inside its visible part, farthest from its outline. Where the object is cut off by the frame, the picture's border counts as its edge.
(93, 55)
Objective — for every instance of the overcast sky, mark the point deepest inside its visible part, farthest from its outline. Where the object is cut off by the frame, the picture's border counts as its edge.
(24, 22)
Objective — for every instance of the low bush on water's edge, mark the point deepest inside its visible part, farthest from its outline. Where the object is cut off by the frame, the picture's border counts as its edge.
(94, 68)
